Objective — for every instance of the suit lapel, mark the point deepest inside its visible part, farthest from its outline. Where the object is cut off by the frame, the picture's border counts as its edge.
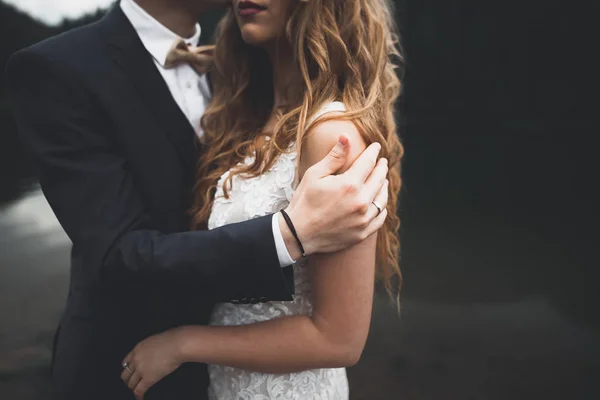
(131, 56)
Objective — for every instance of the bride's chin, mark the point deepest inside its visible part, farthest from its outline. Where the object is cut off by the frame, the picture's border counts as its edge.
(254, 38)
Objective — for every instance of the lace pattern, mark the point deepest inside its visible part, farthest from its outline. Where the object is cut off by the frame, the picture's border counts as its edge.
(252, 197)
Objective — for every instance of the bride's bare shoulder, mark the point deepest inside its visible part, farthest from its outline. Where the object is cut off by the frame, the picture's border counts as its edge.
(323, 136)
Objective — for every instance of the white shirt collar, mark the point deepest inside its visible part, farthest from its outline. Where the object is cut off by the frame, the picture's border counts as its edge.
(156, 38)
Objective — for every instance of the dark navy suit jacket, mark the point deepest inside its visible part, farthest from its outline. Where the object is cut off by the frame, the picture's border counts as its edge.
(116, 160)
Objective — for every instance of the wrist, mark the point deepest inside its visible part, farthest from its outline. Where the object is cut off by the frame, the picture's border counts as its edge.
(304, 231)
(288, 238)
(186, 341)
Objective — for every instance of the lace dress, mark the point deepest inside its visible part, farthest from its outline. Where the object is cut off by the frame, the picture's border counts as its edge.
(251, 198)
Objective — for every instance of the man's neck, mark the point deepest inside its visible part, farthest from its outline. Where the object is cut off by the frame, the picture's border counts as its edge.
(177, 15)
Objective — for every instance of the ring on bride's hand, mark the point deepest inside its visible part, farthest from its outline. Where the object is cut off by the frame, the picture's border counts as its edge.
(126, 366)
(379, 209)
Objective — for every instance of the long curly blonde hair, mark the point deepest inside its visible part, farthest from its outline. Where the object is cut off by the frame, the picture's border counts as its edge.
(346, 50)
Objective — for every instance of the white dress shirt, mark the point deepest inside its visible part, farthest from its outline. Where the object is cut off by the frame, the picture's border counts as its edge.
(190, 90)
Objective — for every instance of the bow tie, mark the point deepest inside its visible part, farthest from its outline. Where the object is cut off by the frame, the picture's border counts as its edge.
(199, 58)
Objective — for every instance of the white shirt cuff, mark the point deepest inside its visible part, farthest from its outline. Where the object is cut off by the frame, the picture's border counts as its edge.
(285, 260)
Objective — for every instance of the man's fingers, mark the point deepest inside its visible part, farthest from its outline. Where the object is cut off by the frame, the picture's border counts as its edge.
(381, 200)
(360, 170)
(382, 196)
(377, 223)
(376, 180)
(334, 160)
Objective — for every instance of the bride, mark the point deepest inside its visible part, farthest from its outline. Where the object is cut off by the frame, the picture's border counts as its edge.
(288, 76)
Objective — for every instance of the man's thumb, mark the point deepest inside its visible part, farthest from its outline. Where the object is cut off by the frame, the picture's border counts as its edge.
(335, 159)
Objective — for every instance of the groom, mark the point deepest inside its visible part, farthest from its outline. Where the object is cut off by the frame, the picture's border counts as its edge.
(113, 133)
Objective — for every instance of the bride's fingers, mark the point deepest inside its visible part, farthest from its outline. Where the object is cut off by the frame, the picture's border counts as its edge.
(125, 375)
(140, 390)
(134, 380)
(127, 368)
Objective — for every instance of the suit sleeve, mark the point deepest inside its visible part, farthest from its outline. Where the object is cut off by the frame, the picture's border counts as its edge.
(94, 196)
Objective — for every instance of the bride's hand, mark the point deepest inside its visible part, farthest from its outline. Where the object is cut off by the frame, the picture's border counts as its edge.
(150, 361)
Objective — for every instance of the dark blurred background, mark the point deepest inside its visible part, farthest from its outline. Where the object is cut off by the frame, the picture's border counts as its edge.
(499, 250)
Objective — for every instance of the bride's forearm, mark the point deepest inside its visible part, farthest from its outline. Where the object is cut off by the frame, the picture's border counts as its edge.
(281, 345)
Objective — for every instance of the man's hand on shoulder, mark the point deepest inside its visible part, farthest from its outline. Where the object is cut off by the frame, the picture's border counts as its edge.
(332, 212)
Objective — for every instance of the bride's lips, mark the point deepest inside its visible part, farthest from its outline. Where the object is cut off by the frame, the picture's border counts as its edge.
(247, 8)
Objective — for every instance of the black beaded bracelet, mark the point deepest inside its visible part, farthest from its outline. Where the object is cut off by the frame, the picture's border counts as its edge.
(290, 225)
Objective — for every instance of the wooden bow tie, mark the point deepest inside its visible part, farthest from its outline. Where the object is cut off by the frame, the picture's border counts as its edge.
(199, 58)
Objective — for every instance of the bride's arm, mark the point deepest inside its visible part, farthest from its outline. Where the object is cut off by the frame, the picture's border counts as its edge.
(333, 336)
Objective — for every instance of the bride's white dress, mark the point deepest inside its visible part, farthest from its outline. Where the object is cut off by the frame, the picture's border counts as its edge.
(251, 198)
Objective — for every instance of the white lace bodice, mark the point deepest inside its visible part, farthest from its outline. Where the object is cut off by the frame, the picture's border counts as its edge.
(251, 198)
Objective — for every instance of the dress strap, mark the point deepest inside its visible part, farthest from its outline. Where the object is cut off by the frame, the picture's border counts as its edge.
(334, 106)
